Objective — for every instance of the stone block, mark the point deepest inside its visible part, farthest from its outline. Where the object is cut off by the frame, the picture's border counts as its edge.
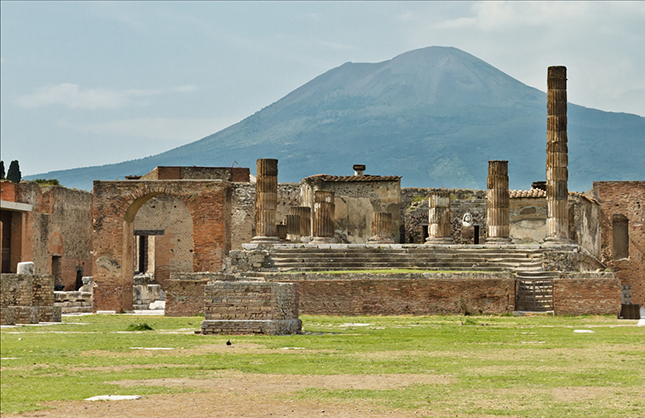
(26, 267)
(26, 314)
(8, 315)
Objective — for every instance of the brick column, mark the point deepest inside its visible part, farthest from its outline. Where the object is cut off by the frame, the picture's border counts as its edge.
(557, 175)
(304, 212)
(266, 201)
(381, 228)
(323, 225)
(497, 204)
(439, 219)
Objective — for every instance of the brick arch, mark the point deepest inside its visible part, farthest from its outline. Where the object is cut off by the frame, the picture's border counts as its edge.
(114, 207)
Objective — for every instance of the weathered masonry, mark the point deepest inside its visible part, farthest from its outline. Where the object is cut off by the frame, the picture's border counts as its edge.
(622, 221)
(49, 225)
(26, 298)
(114, 208)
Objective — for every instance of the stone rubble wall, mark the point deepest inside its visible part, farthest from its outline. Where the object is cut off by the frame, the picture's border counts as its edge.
(27, 299)
(74, 302)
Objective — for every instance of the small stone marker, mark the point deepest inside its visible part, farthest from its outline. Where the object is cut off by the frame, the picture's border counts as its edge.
(114, 398)
(26, 267)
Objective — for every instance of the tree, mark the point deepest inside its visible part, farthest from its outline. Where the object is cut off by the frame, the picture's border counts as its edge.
(14, 172)
(1, 170)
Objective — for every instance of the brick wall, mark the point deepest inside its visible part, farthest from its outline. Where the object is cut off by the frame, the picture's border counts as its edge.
(402, 294)
(115, 205)
(185, 297)
(586, 295)
(7, 191)
(626, 198)
(251, 307)
(250, 300)
(60, 225)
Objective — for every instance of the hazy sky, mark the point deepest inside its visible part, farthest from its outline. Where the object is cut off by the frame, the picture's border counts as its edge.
(90, 83)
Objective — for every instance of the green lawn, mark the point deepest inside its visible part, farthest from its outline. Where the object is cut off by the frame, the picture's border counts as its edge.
(502, 365)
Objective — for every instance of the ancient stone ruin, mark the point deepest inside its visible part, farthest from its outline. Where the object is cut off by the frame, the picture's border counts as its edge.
(250, 255)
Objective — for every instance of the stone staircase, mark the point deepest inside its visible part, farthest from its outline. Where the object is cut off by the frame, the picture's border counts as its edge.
(534, 286)
(525, 261)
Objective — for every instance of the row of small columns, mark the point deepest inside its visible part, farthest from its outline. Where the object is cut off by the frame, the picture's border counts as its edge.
(298, 222)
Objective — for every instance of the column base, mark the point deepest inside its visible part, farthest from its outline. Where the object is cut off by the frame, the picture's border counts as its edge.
(265, 240)
(557, 241)
(440, 241)
(498, 241)
(323, 240)
(379, 240)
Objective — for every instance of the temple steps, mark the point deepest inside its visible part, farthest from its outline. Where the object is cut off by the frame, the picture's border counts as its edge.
(527, 261)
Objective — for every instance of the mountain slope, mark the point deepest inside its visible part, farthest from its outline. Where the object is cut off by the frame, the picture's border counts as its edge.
(434, 116)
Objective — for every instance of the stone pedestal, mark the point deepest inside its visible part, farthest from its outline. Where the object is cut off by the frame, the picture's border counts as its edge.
(381, 228)
(557, 175)
(497, 204)
(439, 219)
(304, 212)
(26, 267)
(266, 201)
(260, 308)
(323, 224)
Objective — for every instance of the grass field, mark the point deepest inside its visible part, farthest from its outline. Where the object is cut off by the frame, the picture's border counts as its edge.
(416, 366)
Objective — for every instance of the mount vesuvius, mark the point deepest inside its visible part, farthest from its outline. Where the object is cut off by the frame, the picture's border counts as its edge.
(434, 116)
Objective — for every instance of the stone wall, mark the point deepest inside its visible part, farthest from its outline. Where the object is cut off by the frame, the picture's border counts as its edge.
(414, 212)
(27, 299)
(587, 293)
(234, 174)
(73, 302)
(355, 201)
(527, 219)
(171, 252)
(185, 292)
(402, 294)
(243, 209)
(250, 307)
(626, 199)
(527, 216)
(114, 208)
(59, 226)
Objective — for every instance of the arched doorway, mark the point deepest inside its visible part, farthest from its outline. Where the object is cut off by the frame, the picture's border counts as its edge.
(115, 206)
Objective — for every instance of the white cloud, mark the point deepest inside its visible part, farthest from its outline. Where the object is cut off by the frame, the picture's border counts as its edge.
(72, 96)
(159, 129)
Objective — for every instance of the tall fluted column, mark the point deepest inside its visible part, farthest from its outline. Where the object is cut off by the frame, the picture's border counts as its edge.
(304, 212)
(497, 204)
(439, 219)
(266, 201)
(293, 227)
(381, 228)
(557, 175)
(323, 224)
